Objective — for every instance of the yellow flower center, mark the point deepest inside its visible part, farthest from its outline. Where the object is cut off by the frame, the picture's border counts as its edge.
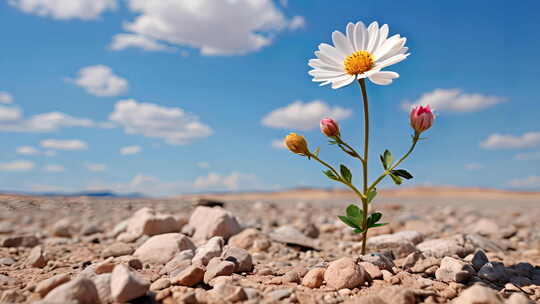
(358, 62)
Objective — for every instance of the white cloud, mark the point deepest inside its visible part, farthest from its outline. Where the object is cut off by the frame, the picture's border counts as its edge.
(9, 114)
(5, 97)
(303, 116)
(203, 165)
(95, 167)
(129, 150)
(217, 182)
(214, 27)
(278, 144)
(54, 168)
(297, 22)
(100, 80)
(473, 166)
(284, 3)
(68, 145)
(174, 125)
(27, 150)
(528, 156)
(124, 41)
(505, 141)
(454, 100)
(17, 166)
(12, 120)
(528, 182)
(65, 9)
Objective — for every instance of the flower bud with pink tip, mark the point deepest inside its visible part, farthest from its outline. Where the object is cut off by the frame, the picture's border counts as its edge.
(421, 118)
(329, 127)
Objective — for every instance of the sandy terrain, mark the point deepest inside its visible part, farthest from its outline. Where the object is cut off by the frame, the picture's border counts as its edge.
(271, 248)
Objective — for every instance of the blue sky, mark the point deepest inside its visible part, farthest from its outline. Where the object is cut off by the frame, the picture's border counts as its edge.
(185, 86)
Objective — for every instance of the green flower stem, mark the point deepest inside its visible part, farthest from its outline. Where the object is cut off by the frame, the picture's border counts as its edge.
(351, 149)
(416, 137)
(363, 197)
(365, 206)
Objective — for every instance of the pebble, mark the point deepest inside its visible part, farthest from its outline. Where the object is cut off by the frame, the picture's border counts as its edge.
(146, 221)
(103, 286)
(479, 259)
(240, 257)
(344, 273)
(478, 295)
(209, 222)
(160, 284)
(454, 270)
(440, 248)
(211, 249)
(494, 272)
(217, 267)
(314, 278)
(36, 258)
(116, 250)
(45, 286)
(280, 294)
(190, 276)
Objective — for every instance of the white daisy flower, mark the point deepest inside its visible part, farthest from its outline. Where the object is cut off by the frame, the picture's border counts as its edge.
(362, 53)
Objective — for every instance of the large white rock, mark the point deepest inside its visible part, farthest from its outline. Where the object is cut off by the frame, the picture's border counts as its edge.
(81, 291)
(126, 286)
(160, 249)
(209, 222)
(147, 222)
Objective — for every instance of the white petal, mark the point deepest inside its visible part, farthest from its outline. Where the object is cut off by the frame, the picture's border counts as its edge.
(341, 83)
(373, 32)
(388, 45)
(327, 59)
(331, 51)
(383, 34)
(325, 74)
(342, 43)
(390, 61)
(350, 34)
(319, 64)
(332, 78)
(360, 36)
(383, 78)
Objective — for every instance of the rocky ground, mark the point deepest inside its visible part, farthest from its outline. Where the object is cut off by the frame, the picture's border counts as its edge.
(452, 250)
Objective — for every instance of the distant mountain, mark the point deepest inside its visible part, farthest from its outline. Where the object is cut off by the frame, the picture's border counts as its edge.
(103, 193)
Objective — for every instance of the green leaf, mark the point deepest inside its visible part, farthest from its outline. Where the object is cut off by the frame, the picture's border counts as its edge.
(397, 180)
(358, 230)
(403, 173)
(371, 195)
(348, 221)
(354, 212)
(316, 151)
(345, 173)
(331, 175)
(332, 142)
(388, 159)
(378, 225)
(374, 218)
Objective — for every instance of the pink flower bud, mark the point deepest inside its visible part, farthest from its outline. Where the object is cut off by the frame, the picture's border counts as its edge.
(329, 127)
(421, 118)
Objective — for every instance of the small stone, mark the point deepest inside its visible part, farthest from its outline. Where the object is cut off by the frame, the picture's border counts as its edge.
(290, 277)
(103, 286)
(379, 260)
(478, 295)
(146, 221)
(440, 248)
(106, 266)
(160, 249)
(314, 278)
(216, 267)
(228, 293)
(373, 271)
(240, 257)
(160, 284)
(280, 294)
(494, 272)
(400, 245)
(126, 286)
(398, 295)
(206, 252)
(246, 239)
(91, 228)
(479, 259)
(261, 245)
(454, 270)
(45, 286)
(484, 243)
(180, 260)
(209, 222)
(485, 226)
(518, 298)
(423, 264)
(190, 276)
(36, 258)
(19, 241)
(81, 291)
(344, 273)
(411, 259)
(290, 235)
(116, 250)
(62, 228)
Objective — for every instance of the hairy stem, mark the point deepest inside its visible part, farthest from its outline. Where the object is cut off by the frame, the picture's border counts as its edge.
(365, 205)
